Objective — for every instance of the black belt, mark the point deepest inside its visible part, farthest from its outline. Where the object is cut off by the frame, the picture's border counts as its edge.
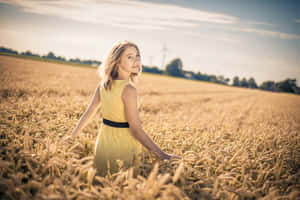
(116, 124)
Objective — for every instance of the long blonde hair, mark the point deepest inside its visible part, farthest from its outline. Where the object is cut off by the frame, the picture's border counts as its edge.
(108, 69)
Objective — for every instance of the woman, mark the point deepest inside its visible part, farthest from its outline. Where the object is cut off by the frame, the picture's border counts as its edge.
(121, 135)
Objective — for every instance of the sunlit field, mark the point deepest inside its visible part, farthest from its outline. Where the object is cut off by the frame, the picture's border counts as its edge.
(236, 143)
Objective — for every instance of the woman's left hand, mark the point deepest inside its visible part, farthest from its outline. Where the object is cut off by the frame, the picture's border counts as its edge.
(67, 138)
(167, 156)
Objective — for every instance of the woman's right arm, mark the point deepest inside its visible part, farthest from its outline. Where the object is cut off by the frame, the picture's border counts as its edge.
(89, 113)
(129, 97)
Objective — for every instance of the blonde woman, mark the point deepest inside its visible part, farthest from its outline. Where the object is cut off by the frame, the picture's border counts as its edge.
(121, 135)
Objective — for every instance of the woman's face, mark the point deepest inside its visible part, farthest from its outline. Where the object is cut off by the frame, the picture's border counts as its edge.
(130, 60)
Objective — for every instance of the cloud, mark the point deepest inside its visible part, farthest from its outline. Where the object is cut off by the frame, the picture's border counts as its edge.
(129, 14)
(219, 37)
(259, 23)
(269, 33)
(138, 15)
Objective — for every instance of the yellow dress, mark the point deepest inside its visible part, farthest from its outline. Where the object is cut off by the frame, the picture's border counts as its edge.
(115, 144)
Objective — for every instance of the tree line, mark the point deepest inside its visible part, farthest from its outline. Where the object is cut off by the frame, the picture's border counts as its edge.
(175, 68)
(51, 56)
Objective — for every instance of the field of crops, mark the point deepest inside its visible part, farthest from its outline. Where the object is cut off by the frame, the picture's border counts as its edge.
(236, 143)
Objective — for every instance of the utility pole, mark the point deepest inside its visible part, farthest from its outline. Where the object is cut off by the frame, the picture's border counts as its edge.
(150, 59)
(164, 52)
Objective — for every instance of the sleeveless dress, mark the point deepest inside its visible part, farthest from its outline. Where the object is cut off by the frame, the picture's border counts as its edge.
(115, 144)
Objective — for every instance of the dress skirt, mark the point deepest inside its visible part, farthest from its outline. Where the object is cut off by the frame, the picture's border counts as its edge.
(114, 144)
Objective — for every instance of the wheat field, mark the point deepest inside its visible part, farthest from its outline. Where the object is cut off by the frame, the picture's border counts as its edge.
(236, 143)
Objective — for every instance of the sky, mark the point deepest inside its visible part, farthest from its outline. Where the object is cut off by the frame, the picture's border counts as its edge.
(255, 38)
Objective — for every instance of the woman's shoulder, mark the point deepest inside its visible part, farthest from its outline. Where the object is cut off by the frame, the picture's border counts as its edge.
(129, 90)
(128, 85)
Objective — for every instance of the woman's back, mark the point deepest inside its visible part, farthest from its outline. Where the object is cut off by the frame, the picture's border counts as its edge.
(112, 106)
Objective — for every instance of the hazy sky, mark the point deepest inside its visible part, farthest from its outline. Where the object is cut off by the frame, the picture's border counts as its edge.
(258, 38)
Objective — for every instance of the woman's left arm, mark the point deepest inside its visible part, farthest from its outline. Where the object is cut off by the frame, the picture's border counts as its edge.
(89, 113)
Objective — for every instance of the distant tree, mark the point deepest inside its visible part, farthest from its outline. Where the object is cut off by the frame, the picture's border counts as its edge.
(199, 76)
(252, 83)
(213, 78)
(91, 62)
(288, 85)
(27, 53)
(268, 85)
(153, 69)
(76, 60)
(244, 82)
(222, 80)
(61, 58)
(174, 68)
(236, 81)
(297, 90)
(8, 50)
(88, 62)
(227, 80)
(50, 55)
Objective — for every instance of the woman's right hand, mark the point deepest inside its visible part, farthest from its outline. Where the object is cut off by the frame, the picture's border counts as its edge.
(71, 137)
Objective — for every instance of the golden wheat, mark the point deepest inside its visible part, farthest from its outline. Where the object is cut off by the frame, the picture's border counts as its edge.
(236, 143)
